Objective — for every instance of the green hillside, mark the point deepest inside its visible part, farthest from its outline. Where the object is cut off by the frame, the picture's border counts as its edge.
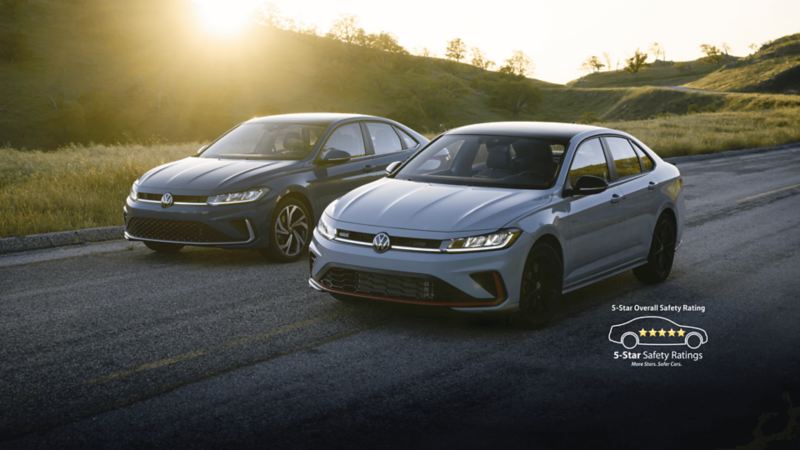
(95, 71)
(658, 73)
(773, 68)
(99, 71)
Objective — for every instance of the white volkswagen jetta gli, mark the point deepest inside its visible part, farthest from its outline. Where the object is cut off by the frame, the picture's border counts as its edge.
(503, 216)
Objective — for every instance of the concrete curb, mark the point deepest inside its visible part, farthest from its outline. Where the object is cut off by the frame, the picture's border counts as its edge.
(16, 244)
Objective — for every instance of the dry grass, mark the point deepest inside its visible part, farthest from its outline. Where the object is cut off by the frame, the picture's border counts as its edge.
(711, 132)
(78, 187)
(73, 187)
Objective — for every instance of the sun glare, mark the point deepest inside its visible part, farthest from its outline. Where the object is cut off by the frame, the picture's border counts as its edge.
(225, 17)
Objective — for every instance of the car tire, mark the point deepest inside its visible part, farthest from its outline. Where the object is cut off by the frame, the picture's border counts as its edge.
(541, 285)
(662, 253)
(629, 340)
(163, 247)
(290, 230)
(694, 340)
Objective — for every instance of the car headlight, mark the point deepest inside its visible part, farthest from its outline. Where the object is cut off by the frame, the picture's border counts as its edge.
(325, 228)
(237, 197)
(491, 241)
(134, 190)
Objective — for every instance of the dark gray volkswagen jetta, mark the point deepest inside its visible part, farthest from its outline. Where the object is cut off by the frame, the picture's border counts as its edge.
(264, 183)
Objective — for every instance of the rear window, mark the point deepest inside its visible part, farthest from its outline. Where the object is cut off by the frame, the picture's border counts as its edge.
(626, 162)
(647, 161)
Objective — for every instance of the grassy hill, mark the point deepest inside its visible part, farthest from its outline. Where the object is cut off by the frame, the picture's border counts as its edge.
(658, 73)
(99, 71)
(775, 67)
(105, 72)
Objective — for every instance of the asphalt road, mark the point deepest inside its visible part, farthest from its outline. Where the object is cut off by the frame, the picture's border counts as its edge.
(127, 348)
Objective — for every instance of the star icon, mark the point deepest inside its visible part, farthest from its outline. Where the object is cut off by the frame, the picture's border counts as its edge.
(652, 332)
(662, 332)
(681, 332)
(671, 332)
(642, 332)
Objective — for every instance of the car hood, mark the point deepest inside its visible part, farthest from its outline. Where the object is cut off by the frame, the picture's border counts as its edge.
(210, 175)
(413, 205)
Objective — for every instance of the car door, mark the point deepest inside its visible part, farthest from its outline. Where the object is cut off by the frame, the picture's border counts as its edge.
(332, 180)
(589, 221)
(634, 202)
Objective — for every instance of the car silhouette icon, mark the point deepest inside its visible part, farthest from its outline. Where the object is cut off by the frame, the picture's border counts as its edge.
(656, 331)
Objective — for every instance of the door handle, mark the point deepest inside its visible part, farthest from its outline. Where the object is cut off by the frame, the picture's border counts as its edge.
(651, 186)
(368, 168)
(616, 198)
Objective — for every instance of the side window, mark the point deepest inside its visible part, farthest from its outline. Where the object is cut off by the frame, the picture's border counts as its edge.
(347, 138)
(384, 139)
(408, 141)
(626, 162)
(589, 160)
(647, 161)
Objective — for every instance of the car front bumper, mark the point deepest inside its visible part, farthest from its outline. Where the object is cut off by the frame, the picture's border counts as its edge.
(242, 225)
(447, 270)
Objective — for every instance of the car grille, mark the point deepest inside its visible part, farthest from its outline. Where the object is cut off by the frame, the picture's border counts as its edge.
(393, 286)
(181, 231)
(176, 198)
(397, 241)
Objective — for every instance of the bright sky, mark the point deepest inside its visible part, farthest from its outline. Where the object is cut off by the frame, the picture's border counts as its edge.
(558, 35)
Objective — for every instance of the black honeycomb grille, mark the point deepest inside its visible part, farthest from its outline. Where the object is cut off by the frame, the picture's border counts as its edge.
(176, 230)
(395, 286)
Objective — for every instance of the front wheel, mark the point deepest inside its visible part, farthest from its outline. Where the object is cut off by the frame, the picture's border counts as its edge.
(163, 247)
(662, 253)
(290, 230)
(540, 293)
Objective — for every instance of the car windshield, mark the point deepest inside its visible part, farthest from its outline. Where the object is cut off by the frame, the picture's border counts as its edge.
(497, 161)
(265, 140)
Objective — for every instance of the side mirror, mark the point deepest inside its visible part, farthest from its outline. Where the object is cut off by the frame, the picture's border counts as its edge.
(200, 150)
(335, 156)
(392, 167)
(588, 185)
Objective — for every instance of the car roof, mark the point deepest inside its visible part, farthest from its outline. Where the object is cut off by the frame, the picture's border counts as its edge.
(315, 118)
(550, 130)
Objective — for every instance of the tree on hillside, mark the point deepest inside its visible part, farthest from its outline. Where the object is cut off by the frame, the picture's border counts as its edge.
(345, 29)
(380, 41)
(514, 94)
(636, 62)
(658, 51)
(593, 63)
(713, 53)
(456, 50)
(518, 64)
(726, 48)
(479, 60)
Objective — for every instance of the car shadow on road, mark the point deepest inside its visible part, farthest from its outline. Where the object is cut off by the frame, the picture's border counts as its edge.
(199, 256)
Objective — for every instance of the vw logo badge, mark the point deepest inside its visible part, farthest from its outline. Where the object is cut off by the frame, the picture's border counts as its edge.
(167, 200)
(381, 242)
